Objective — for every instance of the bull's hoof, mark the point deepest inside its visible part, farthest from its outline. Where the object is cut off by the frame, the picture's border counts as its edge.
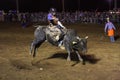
(81, 60)
(30, 51)
(68, 59)
(62, 47)
(33, 55)
(83, 63)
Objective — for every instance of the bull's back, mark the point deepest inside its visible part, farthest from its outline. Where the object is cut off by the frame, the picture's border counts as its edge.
(39, 32)
(71, 34)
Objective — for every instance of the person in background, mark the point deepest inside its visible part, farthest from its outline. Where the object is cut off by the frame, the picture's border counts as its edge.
(110, 29)
(23, 20)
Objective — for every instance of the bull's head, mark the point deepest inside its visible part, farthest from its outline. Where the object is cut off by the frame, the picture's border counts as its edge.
(80, 44)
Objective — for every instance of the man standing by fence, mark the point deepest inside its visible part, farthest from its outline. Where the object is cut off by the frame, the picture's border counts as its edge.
(110, 28)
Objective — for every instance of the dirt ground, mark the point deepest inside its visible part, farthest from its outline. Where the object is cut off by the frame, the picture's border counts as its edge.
(102, 58)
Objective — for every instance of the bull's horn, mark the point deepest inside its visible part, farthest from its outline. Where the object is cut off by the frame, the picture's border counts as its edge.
(78, 38)
(86, 37)
(74, 42)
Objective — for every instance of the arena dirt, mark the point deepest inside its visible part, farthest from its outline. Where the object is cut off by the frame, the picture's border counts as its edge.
(102, 58)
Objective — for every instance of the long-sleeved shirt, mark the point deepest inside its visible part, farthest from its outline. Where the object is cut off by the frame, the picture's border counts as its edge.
(50, 16)
(109, 26)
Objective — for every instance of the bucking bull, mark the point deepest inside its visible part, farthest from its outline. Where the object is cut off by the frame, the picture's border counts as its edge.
(71, 41)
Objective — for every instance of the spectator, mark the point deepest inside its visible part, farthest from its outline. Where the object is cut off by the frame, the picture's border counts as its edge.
(23, 20)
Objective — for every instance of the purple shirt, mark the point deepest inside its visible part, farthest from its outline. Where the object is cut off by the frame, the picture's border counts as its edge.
(108, 26)
(50, 16)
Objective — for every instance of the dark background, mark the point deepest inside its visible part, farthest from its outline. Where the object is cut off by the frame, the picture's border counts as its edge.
(69, 5)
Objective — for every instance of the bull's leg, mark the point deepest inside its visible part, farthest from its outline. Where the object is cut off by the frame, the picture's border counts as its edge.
(79, 57)
(34, 53)
(34, 46)
(68, 58)
(68, 49)
(31, 48)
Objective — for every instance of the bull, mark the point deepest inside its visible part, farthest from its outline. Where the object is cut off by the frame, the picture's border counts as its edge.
(71, 41)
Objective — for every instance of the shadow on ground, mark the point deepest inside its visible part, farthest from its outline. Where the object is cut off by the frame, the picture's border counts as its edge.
(87, 58)
(117, 37)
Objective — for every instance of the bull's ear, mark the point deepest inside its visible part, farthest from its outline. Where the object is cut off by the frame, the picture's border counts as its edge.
(86, 37)
(74, 42)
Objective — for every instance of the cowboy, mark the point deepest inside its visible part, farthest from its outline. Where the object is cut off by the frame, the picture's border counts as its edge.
(52, 19)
